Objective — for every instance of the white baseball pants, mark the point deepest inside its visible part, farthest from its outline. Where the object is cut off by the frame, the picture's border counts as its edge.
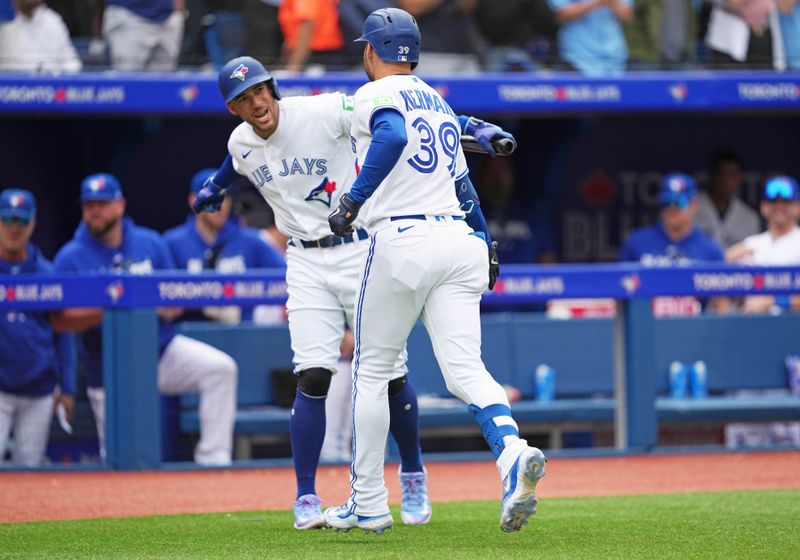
(191, 366)
(430, 269)
(29, 418)
(321, 284)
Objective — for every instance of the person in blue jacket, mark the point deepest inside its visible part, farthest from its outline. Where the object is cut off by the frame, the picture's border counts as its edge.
(37, 366)
(108, 241)
(675, 240)
(217, 242)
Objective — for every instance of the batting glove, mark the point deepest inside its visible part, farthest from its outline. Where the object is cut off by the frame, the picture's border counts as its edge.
(494, 265)
(344, 215)
(209, 198)
(489, 135)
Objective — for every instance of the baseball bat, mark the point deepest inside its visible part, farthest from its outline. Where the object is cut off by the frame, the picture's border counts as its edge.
(503, 146)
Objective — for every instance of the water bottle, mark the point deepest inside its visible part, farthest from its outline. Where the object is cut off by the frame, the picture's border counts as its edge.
(545, 382)
(678, 380)
(699, 380)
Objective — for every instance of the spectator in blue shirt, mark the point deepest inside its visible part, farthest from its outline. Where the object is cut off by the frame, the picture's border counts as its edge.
(37, 367)
(216, 242)
(789, 19)
(108, 241)
(590, 39)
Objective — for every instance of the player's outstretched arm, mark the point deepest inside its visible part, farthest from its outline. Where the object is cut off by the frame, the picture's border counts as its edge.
(471, 206)
(210, 197)
(485, 138)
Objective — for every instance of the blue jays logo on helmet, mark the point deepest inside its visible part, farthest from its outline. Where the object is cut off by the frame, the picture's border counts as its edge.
(393, 34)
(322, 192)
(242, 73)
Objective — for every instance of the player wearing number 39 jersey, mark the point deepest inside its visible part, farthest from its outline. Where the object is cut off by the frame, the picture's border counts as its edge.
(424, 262)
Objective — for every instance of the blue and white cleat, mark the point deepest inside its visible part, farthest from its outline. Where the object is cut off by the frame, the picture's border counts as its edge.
(519, 489)
(415, 508)
(308, 512)
(341, 519)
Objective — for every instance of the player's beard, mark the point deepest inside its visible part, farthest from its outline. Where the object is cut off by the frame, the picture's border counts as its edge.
(102, 230)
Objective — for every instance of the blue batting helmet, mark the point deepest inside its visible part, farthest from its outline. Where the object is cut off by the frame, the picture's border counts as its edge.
(242, 73)
(394, 35)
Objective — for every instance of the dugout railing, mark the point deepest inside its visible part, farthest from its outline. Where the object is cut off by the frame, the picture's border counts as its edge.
(637, 342)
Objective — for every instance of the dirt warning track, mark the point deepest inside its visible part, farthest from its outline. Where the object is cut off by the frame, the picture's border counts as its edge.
(43, 496)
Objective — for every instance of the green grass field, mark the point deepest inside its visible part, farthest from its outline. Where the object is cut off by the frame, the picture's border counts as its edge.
(711, 525)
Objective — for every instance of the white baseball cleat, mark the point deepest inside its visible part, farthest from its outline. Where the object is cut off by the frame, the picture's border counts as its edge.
(308, 512)
(341, 519)
(519, 489)
(415, 508)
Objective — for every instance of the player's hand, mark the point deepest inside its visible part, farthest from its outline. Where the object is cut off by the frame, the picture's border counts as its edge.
(209, 198)
(490, 136)
(494, 265)
(344, 215)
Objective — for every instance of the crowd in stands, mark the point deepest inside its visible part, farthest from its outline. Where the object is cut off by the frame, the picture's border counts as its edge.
(594, 37)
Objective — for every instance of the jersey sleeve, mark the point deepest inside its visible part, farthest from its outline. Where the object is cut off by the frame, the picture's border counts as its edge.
(343, 107)
(64, 262)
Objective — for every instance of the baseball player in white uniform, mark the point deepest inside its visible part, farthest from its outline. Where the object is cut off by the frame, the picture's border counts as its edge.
(423, 261)
(297, 152)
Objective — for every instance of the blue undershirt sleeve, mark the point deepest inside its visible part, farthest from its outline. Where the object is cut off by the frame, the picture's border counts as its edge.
(226, 174)
(388, 141)
(471, 206)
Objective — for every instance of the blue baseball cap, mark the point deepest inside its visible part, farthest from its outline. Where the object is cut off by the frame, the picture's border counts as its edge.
(781, 187)
(17, 203)
(677, 189)
(199, 179)
(101, 186)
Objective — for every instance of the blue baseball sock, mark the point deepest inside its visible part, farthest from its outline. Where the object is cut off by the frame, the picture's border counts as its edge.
(496, 424)
(404, 427)
(307, 432)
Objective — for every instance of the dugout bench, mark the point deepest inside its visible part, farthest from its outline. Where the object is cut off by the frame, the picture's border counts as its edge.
(741, 353)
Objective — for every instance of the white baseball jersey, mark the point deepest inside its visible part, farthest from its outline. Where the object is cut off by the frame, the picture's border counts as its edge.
(785, 250)
(303, 169)
(423, 181)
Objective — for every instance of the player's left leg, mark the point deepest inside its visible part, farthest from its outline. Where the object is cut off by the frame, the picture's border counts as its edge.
(32, 427)
(386, 311)
(452, 318)
(403, 408)
(191, 366)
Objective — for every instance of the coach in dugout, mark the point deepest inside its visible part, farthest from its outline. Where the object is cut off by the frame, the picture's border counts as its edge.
(675, 240)
(108, 241)
(37, 367)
